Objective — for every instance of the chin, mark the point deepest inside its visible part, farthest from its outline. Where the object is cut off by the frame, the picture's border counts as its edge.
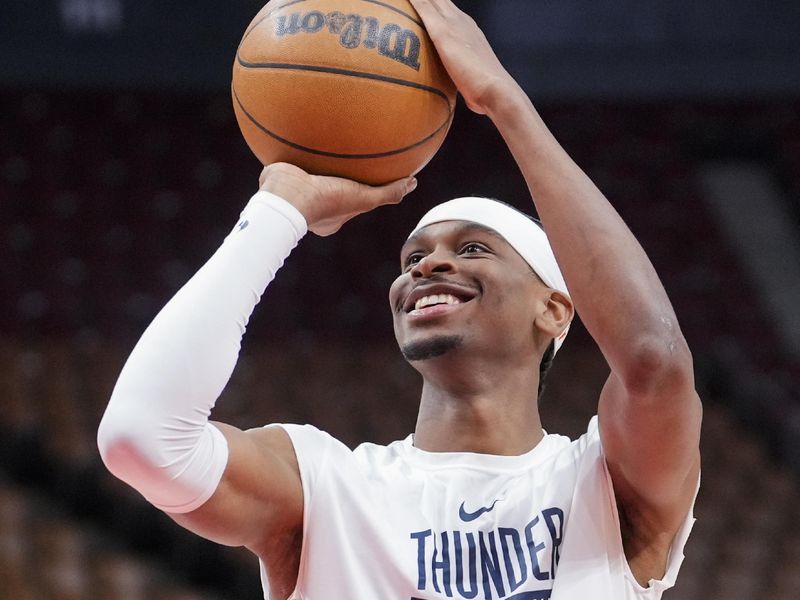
(432, 347)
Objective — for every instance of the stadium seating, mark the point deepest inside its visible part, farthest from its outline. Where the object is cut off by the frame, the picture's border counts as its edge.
(108, 203)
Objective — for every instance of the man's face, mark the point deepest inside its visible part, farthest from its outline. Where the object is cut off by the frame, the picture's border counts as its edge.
(463, 287)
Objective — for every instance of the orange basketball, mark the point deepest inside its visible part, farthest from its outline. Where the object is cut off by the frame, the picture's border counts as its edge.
(352, 88)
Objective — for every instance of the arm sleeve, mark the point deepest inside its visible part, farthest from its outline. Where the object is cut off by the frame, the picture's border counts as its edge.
(155, 433)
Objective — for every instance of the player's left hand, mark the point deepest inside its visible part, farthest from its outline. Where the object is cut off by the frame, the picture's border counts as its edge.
(469, 59)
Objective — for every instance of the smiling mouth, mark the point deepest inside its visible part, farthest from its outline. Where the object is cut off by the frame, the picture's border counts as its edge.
(435, 300)
(436, 296)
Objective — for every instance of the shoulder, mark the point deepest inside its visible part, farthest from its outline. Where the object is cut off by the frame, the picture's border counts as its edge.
(314, 448)
(309, 437)
(304, 434)
(310, 445)
(585, 448)
(590, 442)
(371, 453)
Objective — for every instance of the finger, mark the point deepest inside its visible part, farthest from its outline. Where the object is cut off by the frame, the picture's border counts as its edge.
(423, 6)
(444, 8)
(439, 17)
(428, 10)
(393, 193)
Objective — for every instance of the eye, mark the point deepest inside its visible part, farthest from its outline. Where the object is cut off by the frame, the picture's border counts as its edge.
(473, 248)
(412, 259)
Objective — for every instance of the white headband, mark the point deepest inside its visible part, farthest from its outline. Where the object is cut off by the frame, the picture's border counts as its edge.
(522, 234)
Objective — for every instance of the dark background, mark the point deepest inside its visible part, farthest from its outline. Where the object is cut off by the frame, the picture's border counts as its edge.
(570, 48)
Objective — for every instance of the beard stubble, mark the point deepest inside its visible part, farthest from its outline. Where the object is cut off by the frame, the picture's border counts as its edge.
(431, 348)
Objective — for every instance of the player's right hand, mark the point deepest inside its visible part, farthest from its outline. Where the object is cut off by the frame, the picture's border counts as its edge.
(466, 54)
(327, 203)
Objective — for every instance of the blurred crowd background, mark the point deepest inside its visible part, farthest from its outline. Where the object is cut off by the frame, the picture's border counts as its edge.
(122, 169)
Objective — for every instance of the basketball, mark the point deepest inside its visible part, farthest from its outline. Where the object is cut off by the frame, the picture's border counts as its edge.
(352, 88)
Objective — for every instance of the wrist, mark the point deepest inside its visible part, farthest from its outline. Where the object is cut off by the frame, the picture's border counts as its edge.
(291, 196)
(294, 186)
(277, 204)
(506, 101)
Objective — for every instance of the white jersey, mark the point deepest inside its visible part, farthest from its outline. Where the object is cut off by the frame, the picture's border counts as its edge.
(398, 523)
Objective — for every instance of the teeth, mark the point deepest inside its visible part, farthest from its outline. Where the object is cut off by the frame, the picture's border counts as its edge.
(436, 299)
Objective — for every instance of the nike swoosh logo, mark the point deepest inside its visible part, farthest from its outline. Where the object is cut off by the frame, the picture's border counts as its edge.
(467, 516)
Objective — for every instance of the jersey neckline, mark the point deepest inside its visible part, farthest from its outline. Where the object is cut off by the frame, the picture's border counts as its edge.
(549, 444)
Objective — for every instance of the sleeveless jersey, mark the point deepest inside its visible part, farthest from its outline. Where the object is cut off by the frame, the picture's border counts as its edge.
(398, 523)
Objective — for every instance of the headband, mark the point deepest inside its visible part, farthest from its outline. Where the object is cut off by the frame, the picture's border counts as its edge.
(518, 229)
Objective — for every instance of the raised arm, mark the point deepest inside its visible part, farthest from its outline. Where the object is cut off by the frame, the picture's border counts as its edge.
(234, 487)
(649, 411)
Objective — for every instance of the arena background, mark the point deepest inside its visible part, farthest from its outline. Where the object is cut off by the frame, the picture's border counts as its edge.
(121, 169)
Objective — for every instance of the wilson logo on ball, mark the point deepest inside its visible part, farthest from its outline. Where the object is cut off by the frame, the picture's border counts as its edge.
(390, 40)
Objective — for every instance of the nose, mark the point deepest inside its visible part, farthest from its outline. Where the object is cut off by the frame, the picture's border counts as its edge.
(438, 261)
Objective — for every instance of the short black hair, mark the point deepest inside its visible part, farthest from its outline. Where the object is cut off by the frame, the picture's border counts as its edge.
(544, 366)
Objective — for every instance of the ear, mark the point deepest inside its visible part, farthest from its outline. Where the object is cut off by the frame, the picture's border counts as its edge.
(555, 314)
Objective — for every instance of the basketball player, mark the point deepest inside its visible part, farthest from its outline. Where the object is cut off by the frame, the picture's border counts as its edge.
(479, 502)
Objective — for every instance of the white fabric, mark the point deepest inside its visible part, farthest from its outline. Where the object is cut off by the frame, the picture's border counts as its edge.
(522, 234)
(393, 521)
(155, 434)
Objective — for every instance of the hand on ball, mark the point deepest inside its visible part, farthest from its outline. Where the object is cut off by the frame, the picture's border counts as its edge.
(466, 54)
(327, 203)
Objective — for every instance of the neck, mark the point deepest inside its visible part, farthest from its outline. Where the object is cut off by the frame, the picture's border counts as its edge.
(469, 408)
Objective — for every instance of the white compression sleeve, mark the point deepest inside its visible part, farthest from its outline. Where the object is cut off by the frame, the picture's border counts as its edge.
(155, 433)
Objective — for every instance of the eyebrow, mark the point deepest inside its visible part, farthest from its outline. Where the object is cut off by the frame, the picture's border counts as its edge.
(467, 226)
